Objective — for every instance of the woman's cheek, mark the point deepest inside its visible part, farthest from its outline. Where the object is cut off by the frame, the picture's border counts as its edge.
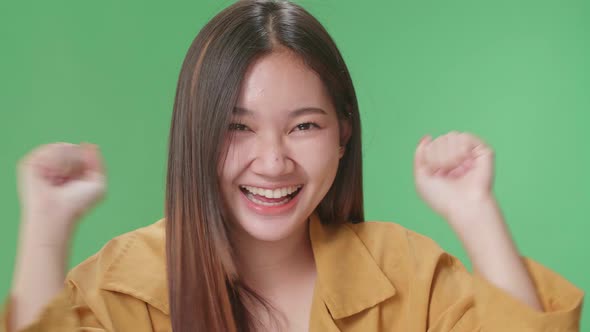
(317, 156)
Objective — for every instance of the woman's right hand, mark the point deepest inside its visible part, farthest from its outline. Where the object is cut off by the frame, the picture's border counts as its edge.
(57, 184)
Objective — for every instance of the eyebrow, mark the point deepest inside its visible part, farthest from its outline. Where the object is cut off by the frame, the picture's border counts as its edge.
(240, 111)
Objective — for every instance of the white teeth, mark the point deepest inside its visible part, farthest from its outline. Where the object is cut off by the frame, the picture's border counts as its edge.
(269, 193)
(257, 201)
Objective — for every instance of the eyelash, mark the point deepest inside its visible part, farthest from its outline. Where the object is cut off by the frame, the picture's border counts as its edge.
(301, 126)
(309, 124)
(237, 127)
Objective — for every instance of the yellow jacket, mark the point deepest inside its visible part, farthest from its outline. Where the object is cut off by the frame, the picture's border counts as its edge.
(372, 276)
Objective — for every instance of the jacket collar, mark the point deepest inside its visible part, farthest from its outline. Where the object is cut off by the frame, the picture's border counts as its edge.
(139, 267)
(348, 278)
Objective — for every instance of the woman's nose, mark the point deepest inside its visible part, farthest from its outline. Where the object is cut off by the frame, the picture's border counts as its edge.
(272, 158)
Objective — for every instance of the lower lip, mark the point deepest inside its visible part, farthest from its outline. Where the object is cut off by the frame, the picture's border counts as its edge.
(272, 210)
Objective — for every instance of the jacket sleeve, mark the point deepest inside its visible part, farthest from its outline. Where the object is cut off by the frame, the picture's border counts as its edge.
(461, 301)
(65, 313)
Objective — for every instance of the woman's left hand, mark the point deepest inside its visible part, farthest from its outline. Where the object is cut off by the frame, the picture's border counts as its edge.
(454, 173)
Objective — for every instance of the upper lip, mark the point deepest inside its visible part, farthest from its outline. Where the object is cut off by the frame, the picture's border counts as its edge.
(273, 186)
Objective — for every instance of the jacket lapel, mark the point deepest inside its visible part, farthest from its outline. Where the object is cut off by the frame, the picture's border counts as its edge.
(349, 280)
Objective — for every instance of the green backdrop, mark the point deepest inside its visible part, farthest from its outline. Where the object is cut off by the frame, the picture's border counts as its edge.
(515, 73)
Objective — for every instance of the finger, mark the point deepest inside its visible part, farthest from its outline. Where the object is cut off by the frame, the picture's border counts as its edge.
(478, 147)
(42, 160)
(436, 154)
(446, 155)
(457, 172)
(440, 172)
(72, 161)
(465, 147)
(93, 158)
(451, 151)
(64, 160)
(459, 150)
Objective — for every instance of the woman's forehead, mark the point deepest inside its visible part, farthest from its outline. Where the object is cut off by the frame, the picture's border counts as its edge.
(281, 81)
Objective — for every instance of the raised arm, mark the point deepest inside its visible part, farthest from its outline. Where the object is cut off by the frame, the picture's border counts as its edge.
(57, 184)
(454, 175)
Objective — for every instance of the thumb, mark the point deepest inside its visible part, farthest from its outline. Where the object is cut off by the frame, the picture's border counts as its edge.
(419, 159)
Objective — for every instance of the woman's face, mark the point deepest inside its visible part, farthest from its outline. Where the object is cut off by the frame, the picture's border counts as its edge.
(284, 148)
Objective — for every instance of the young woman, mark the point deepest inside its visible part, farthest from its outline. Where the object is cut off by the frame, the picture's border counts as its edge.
(264, 227)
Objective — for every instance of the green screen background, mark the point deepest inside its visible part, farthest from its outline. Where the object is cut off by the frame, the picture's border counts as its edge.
(515, 73)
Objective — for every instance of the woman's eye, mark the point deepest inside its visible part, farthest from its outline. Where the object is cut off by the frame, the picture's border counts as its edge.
(306, 126)
(238, 127)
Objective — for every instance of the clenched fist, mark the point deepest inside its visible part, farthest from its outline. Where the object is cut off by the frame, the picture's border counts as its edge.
(58, 183)
(453, 172)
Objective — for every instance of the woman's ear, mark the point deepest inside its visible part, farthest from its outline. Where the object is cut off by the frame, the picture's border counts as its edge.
(345, 133)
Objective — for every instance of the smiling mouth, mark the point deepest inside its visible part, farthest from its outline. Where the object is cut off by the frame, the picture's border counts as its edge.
(269, 197)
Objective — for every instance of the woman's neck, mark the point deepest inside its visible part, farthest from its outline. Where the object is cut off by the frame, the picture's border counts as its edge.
(268, 266)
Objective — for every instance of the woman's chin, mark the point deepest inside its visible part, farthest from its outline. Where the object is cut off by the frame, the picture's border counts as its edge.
(270, 228)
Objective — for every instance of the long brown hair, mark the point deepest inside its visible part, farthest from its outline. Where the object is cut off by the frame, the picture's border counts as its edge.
(205, 291)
